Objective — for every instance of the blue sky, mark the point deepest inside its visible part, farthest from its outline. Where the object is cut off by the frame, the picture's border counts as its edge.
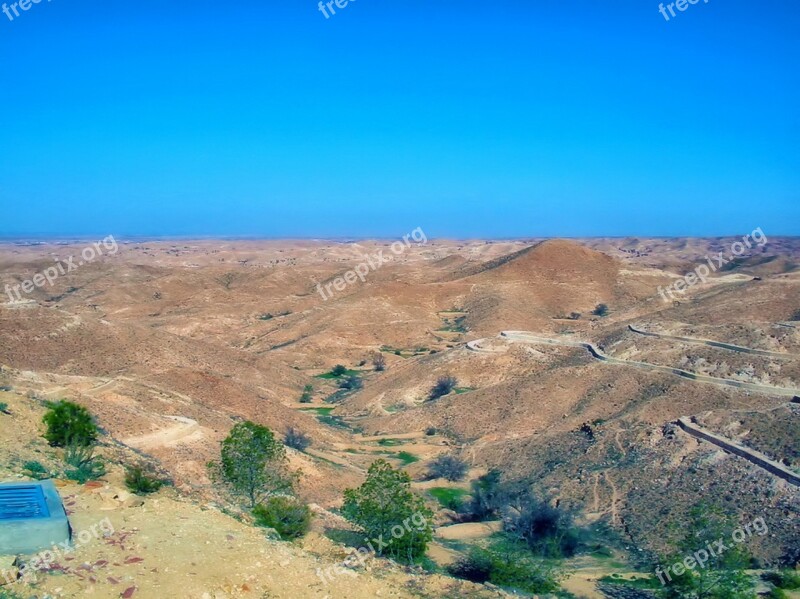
(473, 119)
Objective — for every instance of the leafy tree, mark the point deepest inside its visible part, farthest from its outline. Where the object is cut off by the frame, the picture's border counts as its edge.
(443, 386)
(290, 518)
(396, 521)
(600, 310)
(68, 423)
(338, 370)
(449, 467)
(723, 576)
(296, 439)
(253, 463)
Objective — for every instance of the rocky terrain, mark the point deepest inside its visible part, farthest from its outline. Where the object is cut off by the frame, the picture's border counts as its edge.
(170, 343)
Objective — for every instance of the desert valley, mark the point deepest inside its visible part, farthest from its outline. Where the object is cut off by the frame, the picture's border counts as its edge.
(563, 367)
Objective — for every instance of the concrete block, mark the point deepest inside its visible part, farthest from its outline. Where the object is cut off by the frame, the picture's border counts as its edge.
(32, 518)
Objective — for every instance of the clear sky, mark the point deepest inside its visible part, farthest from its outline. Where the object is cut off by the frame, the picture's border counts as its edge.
(498, 118)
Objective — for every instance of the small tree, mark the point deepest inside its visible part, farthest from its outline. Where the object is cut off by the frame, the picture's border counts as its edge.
(253, 463)
(600, 310)
(723, 576)
(290, 518)
(338, 370)
(486, 493)
(379, 362)
(449, 467)
(296, 439)
(443, 386)
(396, 521)
(69, 424)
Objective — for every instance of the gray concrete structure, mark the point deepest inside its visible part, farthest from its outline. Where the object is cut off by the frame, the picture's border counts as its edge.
(32, 518)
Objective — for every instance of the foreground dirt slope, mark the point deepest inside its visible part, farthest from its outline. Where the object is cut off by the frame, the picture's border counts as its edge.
(172, 545)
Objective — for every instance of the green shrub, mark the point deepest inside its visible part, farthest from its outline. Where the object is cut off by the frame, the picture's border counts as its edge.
(4, 408)
(600, 310)
(69, 424)
(507, 569)
(85, 466)
(36, 470)
(140, 482)
(308, 392)
(296, 439)
(351, 383)
(338, 370)
(785, 579)
(290, 518)
(443, 386)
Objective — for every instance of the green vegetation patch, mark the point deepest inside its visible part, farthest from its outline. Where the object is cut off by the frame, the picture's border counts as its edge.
(407, 458)
(643, 582)
(318, 411)
(451, 499)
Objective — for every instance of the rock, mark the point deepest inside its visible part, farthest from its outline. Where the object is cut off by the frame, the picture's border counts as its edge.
(7, 565)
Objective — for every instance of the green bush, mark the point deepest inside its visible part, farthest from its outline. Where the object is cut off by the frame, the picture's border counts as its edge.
(507, 569)
(140, 482)
(290, 518)
(308, 392)
(443, 386)
(600, 310)
(85, 466)
(69, 424)
(4, 408)
(785, 579)
(351, 383)
(296, 439)
(338, 370)
(36, 470)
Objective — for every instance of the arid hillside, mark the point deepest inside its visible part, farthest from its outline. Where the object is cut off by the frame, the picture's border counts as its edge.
(571, 367)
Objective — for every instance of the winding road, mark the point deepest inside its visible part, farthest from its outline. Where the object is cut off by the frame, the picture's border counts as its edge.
(527, 337)
(717, 344)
